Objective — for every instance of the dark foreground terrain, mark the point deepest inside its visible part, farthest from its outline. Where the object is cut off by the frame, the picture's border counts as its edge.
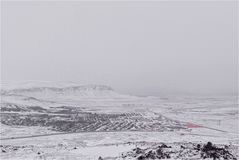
(182, 151)
(144, 151)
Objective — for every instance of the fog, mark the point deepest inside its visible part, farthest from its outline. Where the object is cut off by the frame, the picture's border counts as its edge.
(142, 48)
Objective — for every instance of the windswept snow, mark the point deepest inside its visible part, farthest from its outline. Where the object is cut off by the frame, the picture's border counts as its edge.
(93, 119)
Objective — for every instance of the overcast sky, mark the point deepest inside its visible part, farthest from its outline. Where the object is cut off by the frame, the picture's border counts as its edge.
(135, 47)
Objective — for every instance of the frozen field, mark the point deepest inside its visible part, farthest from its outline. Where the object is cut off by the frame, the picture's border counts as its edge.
(88, 122)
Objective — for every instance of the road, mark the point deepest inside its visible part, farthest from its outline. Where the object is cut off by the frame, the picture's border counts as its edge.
(65, 133)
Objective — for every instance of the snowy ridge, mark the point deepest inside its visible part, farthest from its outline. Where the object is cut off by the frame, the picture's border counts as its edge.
(60, 90)
(57, 90)
(35, 84)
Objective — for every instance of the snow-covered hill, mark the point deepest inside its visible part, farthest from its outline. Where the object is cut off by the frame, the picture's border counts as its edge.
(48, 95)
(61, 90)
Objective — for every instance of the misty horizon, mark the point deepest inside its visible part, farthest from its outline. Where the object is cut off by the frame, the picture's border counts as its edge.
(138, 48)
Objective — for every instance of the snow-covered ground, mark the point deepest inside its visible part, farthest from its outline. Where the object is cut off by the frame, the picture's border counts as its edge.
(93, 145)
(201, 119)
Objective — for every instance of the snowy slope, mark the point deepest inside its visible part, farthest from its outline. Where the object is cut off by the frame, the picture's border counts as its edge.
(47, 94)
(41, 90)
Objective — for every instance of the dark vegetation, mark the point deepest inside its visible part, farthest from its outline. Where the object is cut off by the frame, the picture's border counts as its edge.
(72, 119)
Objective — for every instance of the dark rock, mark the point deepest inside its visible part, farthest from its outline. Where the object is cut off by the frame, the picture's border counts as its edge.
(150, 155)
(211, 151)
(141, 157)
(183, 150)
(161, 154)
(198, 147)
(138, 150)
(165, 146)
